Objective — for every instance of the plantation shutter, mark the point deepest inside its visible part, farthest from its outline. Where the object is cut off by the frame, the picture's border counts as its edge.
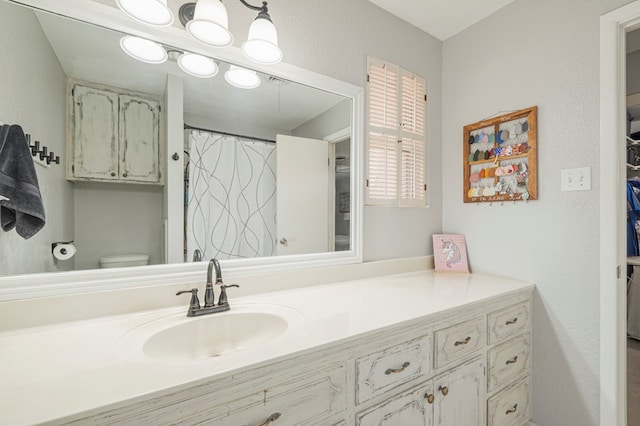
(396, 136)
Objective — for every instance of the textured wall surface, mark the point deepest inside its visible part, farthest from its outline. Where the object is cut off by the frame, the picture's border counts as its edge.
(33, 95)
(543, 53)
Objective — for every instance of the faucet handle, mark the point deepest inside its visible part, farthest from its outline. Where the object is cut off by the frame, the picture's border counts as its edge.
(223, 293)
(195, 302)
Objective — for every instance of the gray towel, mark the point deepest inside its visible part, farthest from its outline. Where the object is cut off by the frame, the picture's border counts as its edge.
(23, 209)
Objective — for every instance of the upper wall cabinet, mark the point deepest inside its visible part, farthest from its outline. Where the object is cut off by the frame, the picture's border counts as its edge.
(113, 136)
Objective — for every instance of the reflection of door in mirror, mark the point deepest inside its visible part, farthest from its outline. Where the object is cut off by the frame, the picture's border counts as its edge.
(303, 195)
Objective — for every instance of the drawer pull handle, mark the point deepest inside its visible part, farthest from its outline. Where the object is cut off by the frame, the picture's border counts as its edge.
(512, 410)
(444, 390)
(512, 360)
(272, 418)
(429, 397)
(397, 370)
(462, 342)
(511, 322)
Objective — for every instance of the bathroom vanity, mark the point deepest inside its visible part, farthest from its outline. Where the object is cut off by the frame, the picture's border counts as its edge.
(417, 348)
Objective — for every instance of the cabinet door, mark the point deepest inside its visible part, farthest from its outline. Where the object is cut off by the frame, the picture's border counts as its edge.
(415, 409)
(95, 133)
(459, 395)
(139, 139)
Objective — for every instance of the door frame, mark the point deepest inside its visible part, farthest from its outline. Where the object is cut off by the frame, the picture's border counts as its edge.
(613, 355)
(333, 139)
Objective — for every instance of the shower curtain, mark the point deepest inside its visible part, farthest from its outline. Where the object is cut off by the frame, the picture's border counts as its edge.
(231, 207)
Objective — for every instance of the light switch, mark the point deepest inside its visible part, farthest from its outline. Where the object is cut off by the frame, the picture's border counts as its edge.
(578, 179)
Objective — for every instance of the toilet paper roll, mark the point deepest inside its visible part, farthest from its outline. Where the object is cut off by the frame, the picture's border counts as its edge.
(64, 251)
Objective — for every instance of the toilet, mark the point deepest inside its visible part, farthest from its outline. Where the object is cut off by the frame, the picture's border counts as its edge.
(124, 260)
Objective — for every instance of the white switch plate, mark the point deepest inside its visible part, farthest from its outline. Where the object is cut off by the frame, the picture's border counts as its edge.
(575, 179)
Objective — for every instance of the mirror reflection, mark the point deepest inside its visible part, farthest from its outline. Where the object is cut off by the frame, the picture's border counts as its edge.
(259, 172)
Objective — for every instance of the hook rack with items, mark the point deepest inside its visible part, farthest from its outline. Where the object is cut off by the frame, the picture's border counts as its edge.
(42, 156)
(500, 158)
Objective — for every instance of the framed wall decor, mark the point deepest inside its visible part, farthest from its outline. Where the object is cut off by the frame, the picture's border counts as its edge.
(500, 158)
(450, 253)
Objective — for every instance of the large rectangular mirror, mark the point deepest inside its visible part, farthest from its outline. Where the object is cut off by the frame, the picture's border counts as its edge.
(254, 173)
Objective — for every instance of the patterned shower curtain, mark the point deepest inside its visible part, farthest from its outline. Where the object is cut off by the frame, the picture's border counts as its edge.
(231, 211)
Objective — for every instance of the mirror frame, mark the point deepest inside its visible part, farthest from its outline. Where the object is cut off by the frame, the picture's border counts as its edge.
(62, 283)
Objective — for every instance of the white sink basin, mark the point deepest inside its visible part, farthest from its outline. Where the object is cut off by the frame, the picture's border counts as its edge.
(214, 335)
(180, 338)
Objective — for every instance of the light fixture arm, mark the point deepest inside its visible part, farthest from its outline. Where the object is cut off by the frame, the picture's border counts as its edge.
(264, 11)
(187, 11)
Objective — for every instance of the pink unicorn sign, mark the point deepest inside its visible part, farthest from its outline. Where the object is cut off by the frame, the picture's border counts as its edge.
(450, 253)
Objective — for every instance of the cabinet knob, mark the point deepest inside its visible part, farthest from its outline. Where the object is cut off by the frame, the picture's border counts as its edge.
(113, 173)
(397, 370)
(272, 418)
(512, 409)
(444, 390)
(429, 397)
(124, 175)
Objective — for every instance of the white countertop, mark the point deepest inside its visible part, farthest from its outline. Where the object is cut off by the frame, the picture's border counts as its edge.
(51, 372)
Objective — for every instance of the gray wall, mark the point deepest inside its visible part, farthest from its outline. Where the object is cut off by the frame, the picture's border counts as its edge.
(326, 123)
(33, 95)
(543, 53)
(117, 219)
(633, 72)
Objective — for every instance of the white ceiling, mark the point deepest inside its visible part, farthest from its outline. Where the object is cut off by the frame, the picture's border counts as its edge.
(442, 18)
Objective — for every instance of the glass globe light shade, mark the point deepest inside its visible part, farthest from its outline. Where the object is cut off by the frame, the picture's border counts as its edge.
(143, 50)
(242, 77)
(197, 65)
(150, 12)
(262, 44)
(210, 24)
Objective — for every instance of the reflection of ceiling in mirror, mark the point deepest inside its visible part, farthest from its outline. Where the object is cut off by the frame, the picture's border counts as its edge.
(93, 54)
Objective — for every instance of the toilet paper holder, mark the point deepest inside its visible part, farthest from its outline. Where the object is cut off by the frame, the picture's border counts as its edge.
(54, 245)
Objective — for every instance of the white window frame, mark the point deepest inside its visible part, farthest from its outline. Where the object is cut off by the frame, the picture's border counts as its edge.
(395, 134)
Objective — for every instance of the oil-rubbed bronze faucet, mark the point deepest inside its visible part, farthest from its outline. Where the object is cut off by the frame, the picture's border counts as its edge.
(209, 296)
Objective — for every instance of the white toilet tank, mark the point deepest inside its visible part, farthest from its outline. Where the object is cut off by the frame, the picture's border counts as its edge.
(124, 260)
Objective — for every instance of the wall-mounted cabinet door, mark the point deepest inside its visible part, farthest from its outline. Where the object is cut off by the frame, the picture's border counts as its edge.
(115, 136)
(139, 139)
(95, 136)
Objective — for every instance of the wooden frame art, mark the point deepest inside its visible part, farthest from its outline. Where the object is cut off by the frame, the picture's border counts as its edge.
(500, 158)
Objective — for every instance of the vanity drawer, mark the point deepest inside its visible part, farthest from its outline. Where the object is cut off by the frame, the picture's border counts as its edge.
(457, 341)
(509, 321)
(510, 407)
(508, 361)
(310, 400)
(383, 370)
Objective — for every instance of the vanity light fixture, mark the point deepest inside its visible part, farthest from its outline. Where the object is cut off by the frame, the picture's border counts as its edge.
(143, 50)
(197, 65)
(208, 22)
(242, 77)
(150, 12)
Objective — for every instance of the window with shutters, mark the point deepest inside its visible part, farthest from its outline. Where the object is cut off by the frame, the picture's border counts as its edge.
(396, 148)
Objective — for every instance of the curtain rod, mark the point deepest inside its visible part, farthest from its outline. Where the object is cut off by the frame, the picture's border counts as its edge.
(189, 127)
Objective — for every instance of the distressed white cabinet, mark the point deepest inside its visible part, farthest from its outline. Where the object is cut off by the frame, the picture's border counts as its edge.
(468, 366)
(459, 395)
(114, 136)
(453, 398)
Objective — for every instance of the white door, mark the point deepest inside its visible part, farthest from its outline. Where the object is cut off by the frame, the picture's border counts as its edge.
(302, 185)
